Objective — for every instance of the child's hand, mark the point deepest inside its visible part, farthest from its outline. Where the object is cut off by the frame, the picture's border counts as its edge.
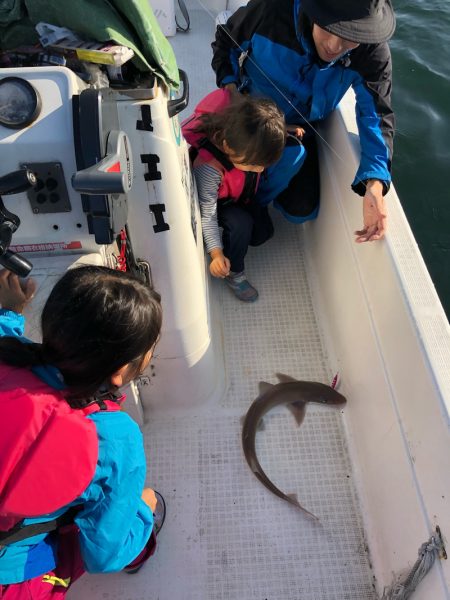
(148, 496)
(220, 265)
(15, 293)
(299, 132)
(232, 88)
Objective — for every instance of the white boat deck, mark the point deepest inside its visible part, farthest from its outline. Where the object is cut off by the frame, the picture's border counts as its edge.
(226, 537)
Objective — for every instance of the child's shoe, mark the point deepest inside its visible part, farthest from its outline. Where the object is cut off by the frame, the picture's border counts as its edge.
(241, 287)
(159, 515)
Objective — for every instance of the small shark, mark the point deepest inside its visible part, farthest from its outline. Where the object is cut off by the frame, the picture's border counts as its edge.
(295, 395)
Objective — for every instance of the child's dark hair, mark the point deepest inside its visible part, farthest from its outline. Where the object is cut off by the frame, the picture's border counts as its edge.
(254, 128)
(95, 321)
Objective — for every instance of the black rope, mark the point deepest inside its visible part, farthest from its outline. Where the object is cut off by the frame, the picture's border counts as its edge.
(186, 17)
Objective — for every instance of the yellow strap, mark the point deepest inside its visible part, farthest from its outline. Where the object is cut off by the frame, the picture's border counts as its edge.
(56, 580)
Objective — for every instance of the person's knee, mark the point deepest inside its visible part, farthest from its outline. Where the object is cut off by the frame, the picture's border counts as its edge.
(262, 229)
(297, 216)
(302, 196)
(238, 225)
(277, 176)
(298, 206)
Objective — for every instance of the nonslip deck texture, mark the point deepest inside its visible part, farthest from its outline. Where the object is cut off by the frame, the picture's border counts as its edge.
(226, 537)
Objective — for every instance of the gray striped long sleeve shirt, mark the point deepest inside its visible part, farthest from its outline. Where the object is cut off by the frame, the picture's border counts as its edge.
(208, 181)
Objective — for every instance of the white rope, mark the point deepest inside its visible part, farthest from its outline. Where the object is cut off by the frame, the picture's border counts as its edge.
(428, 553)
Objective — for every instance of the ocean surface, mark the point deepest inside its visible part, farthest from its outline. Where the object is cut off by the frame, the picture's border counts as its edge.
(421, 97)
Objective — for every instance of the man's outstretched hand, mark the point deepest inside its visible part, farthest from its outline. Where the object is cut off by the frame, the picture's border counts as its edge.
(374, 213)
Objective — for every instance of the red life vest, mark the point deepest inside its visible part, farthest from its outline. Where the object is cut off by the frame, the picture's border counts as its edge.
(235, 185)
(48, 450)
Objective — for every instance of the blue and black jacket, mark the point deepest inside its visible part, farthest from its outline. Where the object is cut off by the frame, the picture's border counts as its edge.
(280, 62)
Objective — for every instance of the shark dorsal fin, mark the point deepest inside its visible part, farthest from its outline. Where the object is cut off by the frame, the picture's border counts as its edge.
(264, 387)
(285, 378)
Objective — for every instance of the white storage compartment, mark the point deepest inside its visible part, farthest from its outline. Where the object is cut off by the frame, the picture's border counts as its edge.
(164, 11)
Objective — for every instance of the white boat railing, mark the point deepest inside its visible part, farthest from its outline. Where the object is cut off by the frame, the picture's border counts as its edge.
(388, 336)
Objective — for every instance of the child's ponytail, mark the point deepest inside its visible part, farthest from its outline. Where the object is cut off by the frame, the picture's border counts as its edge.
(17, 354)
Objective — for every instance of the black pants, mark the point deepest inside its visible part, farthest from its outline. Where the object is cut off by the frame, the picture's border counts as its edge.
(243, 225)
(302, 195)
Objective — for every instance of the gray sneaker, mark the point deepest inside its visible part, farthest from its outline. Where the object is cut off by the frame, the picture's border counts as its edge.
(241, 287)
(160, 513)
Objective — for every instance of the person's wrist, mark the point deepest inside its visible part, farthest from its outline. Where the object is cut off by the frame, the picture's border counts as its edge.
(16, 308)
(375, 185)
(216, 253)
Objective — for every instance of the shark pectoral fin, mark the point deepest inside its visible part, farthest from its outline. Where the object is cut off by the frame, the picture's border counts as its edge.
(298, 409)
(285, 378)
(264, 387)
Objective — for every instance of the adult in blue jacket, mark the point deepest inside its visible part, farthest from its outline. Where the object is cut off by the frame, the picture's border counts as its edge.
(305, 55)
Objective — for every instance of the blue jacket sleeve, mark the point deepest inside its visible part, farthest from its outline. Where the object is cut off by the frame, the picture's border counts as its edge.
(374, 114)
(231, 39)
(11, 323)
(115, 523)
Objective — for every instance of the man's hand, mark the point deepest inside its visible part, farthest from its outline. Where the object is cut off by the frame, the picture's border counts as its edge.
(15, 293)
(374, 213)
(220, 265)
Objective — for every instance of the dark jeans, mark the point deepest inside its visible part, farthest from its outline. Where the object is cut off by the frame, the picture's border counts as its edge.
(302, 195)
(243, 225)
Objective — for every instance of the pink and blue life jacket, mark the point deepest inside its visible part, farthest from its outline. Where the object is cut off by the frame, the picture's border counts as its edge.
(236, 185)
(48, 450)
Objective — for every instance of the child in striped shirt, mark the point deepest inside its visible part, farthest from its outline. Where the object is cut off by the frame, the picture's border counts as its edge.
(233, 139)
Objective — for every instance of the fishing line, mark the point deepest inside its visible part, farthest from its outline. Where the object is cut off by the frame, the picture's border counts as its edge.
(320, 525)
(274, 85)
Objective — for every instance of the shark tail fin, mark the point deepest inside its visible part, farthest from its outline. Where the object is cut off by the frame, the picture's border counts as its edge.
(294, 500)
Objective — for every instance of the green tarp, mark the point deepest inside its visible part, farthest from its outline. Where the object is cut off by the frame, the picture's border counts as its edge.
(128, 22)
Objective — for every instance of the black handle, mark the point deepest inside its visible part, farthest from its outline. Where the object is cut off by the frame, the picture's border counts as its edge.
(17, 181)
(7, 228)
(179, 104)
(16, 263)
(13, 183)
